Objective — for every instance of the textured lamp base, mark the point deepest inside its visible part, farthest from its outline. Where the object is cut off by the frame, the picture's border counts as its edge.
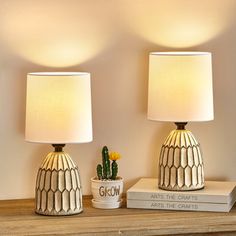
(58, 188)
(180, 164)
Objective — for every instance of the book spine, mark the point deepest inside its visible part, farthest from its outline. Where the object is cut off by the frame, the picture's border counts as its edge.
(177, 197)
(183, 206)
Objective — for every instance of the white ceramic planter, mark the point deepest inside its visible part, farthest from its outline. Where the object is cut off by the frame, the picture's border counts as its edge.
(107, 193)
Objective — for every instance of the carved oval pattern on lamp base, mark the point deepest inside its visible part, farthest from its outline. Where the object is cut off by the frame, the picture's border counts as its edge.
(181, 164)
(58, 188)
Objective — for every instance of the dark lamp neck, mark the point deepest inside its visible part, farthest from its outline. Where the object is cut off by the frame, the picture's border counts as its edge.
(181, 125)
(58, 147)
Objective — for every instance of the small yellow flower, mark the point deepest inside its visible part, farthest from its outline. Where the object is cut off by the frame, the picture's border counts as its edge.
(114, 156)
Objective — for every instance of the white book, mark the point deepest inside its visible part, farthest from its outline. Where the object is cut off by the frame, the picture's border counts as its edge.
(180, 206)
(213, 192)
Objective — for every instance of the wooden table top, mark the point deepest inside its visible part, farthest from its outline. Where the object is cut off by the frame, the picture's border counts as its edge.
(17, 217)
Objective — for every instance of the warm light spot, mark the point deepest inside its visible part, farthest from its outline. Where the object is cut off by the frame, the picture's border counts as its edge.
(179, 23)
(54, 33)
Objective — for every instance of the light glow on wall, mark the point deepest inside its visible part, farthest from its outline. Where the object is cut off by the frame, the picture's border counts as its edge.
(54, 33)
(178, 24)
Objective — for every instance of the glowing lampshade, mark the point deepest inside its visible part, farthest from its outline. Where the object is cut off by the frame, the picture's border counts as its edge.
(58, 108)
(180, 86)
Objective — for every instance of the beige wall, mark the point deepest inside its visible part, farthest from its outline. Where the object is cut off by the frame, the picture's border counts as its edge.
(112, 39)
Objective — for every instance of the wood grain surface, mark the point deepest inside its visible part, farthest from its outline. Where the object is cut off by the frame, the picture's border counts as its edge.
(17, 217)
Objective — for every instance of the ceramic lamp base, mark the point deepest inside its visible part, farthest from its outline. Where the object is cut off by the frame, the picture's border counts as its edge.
(58, 188)
(181, 164)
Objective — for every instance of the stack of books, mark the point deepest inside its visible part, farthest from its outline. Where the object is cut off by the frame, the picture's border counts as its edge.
(216, 196)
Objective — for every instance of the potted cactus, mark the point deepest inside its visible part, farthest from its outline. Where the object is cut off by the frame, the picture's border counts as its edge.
(107, 187)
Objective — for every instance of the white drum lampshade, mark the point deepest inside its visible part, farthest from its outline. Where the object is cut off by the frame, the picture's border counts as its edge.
(58, 111)
(58, 108)
(180, 90)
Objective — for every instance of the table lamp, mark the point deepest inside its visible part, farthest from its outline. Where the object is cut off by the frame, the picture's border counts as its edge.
(58, 111)
(179, 91)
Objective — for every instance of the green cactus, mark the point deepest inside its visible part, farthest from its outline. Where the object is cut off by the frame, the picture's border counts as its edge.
(106, 163)
(114, 169)
(99, 171)
(106, 170)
